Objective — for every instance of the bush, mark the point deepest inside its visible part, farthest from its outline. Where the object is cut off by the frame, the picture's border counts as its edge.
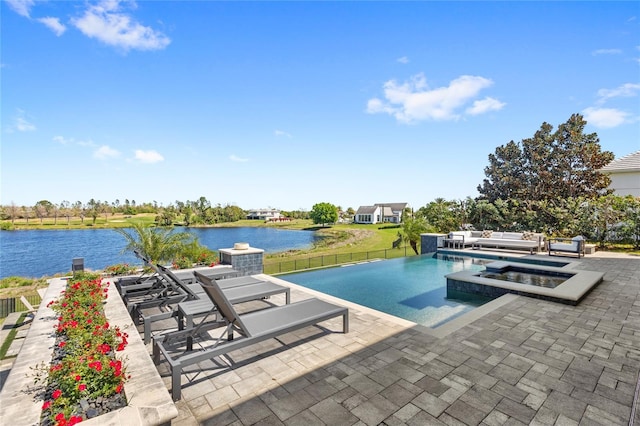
(120, 269)
(195, 253)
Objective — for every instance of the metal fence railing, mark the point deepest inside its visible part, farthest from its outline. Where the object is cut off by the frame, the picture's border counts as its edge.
(273, 267)
(13, 304)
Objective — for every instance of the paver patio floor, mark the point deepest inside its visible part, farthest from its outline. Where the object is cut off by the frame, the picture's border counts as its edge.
(527, 361)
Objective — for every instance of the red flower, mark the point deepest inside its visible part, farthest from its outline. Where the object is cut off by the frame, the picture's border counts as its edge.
(46, 405)
(62, 344)
(78, 378)
(82, 387)
(57, 394)
(119, 388)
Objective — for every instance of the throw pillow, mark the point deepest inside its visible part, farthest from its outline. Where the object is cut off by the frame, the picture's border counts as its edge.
(486, 234)
(528, 235)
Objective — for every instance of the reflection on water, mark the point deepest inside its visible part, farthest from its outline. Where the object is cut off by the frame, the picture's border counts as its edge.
(528, 278)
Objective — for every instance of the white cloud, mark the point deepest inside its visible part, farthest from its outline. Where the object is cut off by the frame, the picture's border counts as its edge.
(403, 60)
(605, 117)
(627, 90)
(108, 24)
(89, 143)
(54, 25)
(606, 52)
(61, 140)
(150, 156)
(279, 133)
(21, 123)
(21, 7)
(485, 105)
(106, 152)
(414, 100)
(237, 159)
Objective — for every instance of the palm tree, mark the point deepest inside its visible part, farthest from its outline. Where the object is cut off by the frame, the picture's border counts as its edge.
(158, 244)
(411, 230)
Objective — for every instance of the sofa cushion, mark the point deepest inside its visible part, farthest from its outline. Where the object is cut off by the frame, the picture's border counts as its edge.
(476, 234)
(512, 236)
(528, 235)
(496, 235)
(486, 234)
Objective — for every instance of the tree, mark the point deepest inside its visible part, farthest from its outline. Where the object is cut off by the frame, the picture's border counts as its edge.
(13, 211)
(549, 166)
(165, 217)
(323, 213)
(411, 230)
(65, 210)
(94, 209)
(440, 213)
(43, 208)
(630, 229)
(158, 244)
(40, 210)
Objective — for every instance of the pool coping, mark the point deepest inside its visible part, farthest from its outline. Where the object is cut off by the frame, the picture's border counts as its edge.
(572, 291)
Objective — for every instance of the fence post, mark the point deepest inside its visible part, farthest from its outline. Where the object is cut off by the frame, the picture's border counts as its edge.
(7, 306)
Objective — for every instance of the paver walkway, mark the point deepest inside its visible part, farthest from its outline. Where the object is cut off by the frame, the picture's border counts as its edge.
(526, 362)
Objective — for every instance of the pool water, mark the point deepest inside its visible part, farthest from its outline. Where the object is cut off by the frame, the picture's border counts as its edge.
(539, 279)
(413, 288)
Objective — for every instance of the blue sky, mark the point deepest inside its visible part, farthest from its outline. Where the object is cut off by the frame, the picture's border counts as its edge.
(288, 104)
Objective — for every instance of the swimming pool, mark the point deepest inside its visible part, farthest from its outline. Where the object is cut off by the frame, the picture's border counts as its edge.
(413, 288)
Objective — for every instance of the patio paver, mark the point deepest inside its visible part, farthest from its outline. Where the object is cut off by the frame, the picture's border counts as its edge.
(528, 361)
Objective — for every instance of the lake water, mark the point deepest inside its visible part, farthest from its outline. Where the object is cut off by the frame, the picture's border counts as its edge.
(48, 252)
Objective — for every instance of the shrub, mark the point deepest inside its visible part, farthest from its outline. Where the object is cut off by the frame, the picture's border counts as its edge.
(120, 269)
(195, 253)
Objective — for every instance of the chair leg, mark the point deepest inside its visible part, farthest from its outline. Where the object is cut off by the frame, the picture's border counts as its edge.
(176, 372)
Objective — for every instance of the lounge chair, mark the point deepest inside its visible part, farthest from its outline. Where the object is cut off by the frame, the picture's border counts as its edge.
(194, 303)
(251, 327)
(573, 245)
(148, 279)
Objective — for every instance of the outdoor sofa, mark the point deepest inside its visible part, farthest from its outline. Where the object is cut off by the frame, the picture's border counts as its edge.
(510, 240)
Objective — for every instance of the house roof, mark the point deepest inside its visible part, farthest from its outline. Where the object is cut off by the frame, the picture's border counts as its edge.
(366, 209)
(394, 206)
(628, 163)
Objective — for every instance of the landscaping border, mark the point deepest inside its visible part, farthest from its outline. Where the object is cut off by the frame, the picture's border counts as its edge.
(149, 402)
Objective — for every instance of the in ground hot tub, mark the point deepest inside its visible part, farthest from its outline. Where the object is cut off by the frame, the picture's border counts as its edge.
(562, 285)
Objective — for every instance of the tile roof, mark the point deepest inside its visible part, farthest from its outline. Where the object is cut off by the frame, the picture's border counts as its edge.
(630, 162)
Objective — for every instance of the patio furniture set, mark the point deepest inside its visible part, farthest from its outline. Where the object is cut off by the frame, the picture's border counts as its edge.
(516, 240)
(209, 295)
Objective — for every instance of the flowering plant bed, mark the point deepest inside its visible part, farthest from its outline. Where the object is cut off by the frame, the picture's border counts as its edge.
(120, 269)
(86, 378)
